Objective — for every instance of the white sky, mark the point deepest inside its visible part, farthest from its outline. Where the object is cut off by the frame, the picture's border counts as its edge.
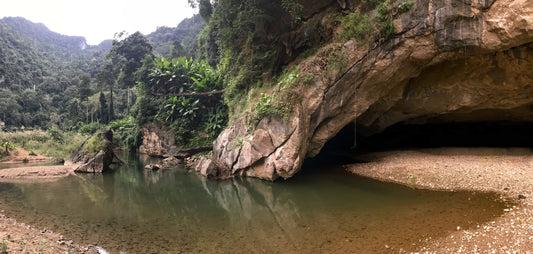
(97, 20)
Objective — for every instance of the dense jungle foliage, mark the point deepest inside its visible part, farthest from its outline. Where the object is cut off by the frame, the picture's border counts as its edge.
(254, 43)
(224, 61)
(48, 79)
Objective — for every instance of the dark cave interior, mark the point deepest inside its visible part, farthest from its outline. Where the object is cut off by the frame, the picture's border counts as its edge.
(340, 150)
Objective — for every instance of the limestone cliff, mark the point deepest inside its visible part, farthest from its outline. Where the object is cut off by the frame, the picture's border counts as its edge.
(451, 60)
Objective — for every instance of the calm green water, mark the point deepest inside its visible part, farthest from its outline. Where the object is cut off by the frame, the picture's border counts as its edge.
(175, 211)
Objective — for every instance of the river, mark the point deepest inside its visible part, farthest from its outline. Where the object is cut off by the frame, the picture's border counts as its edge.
(323, 210)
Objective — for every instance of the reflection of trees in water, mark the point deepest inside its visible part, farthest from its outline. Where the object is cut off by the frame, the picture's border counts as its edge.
(177, 209)
(253, 208)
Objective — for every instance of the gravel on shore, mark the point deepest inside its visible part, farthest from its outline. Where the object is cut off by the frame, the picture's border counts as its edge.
(507, 171)
(18, 237)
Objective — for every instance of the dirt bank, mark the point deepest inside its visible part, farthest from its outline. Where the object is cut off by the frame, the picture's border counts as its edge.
(20, 155)
(508, 171)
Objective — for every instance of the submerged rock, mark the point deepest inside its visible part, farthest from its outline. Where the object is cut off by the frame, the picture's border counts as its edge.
(153, 167)
(95, 155)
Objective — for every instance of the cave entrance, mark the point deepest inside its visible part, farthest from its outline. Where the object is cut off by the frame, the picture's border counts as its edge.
(340, 150)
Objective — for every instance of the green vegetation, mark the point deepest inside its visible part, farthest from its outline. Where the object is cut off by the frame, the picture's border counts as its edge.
(357, 26)
(177, 41)
(40, 74)
(294, 9)
(6, 147)
(242, 39)
(94, 144)
(59, 84)
(184, 96)
(3, 247)
(365, 29)
(266, 106)
(40, 142)
(48, 79)
(126, 133)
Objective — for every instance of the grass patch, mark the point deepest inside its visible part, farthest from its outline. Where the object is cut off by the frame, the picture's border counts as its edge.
(40, 142)
(95, 144)
(3, 247)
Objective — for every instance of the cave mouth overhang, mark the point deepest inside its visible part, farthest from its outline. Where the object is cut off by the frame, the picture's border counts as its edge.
(432, 133)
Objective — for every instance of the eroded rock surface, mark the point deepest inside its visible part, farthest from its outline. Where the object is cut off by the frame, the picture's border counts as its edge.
(95, 155)
(157, 142)
(457, 60)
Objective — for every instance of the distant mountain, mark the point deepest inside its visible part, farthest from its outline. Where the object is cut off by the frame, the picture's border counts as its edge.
(42, 36)
(186, 32)
(37, 66)
(42, 72)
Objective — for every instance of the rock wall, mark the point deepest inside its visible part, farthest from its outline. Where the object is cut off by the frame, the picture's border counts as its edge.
(157, 142)
(453, 60)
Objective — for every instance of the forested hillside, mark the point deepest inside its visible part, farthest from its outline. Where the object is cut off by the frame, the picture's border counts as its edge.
(179, 40)
(48, 79)
(40, 71)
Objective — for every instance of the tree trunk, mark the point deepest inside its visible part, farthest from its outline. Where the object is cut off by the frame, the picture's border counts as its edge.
(111, 109)
(184, 153)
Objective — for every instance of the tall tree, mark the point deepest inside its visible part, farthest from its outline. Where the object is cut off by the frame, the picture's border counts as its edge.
(84, 87)
(132, 50)
(103, 108)
(107, 78)
(177, 50)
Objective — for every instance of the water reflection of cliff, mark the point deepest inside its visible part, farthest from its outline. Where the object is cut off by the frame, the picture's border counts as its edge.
(180, 210)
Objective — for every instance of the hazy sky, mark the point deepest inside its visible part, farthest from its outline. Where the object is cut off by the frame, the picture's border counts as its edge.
(98, 20)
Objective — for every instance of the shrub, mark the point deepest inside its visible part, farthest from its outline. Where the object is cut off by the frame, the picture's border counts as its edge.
(25, 160)
(3, 247)
(406, 6)
(356, 26)
(56, 135)
(7, 146)
(95, 144)
(266, 106)
(126, 132)
(216, 122)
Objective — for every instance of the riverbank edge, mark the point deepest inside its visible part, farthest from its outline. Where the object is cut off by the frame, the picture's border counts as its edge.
(506, 171)
(18, 237)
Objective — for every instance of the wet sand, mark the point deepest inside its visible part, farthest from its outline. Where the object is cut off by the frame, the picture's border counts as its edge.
(507, 171)
(34, 173)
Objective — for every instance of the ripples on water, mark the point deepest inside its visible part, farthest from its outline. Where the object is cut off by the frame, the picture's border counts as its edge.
(320, 211)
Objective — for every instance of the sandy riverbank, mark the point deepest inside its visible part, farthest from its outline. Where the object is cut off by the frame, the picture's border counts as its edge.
(35, 173)
(508, 171)
(21, 238)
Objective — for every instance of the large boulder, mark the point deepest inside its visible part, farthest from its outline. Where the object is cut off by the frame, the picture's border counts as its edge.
(95, 155)
(456, 60)
(157, 142)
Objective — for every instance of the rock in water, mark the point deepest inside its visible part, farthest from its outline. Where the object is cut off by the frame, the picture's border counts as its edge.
(95, 155)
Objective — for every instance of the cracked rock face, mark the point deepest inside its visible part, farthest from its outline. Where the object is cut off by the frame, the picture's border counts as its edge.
(451, 60)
